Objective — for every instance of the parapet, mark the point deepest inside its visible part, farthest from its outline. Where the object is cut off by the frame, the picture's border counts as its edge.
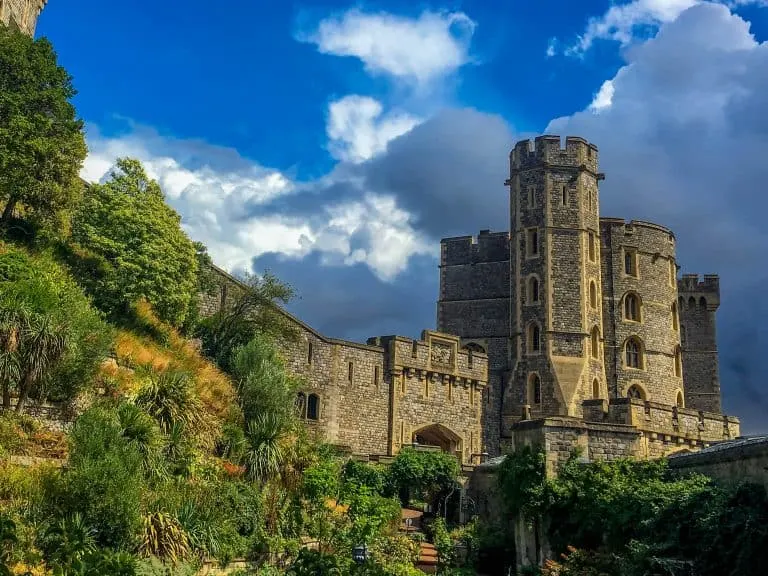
(693, 284)
(663, 420)
(435, 353)
(548, 149)
(485, 247)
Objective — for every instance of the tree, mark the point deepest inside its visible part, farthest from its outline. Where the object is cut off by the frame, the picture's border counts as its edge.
(137, 239)
(42, 146)
(255, 310)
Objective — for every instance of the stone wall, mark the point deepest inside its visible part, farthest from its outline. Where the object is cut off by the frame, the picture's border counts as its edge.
(653, 286)
(740, 460)
(698, 302)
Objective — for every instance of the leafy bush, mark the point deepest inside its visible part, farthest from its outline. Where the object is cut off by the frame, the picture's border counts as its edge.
(104, 481)
(427, 475)
(39, 299)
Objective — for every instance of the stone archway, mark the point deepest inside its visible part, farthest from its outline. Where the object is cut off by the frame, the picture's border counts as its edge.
(439, 436)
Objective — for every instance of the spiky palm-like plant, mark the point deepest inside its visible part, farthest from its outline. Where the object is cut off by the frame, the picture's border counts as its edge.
(14, 317)
(266, 451)
(43, 345)
(164, 537)
(169, 398)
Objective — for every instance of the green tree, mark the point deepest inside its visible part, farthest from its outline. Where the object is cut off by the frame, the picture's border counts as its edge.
(42, 146)
(255, 309)
(134, 246)
(430, 476)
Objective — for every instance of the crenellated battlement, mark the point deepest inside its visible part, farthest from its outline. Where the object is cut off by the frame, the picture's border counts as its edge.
(693, 284)
(662, 420)
(435, 354)
(548, 149)
(486, 247)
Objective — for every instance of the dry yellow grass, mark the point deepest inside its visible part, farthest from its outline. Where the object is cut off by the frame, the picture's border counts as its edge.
(215, 389)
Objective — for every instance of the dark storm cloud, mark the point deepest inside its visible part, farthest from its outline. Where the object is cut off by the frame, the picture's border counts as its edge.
(350, 302)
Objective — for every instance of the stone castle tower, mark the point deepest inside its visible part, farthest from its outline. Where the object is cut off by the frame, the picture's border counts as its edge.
(573, 308)
(21, 14)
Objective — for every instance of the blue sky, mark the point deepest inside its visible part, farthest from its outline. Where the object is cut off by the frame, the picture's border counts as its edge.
(336, 143)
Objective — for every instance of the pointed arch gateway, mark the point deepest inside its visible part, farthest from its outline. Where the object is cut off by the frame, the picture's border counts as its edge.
(438, 435)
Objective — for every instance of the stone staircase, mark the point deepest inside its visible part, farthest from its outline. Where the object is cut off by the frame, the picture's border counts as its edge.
(427, 558)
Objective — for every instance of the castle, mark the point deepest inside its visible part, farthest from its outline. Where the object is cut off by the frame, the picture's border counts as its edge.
(570, 330)
(21, 14)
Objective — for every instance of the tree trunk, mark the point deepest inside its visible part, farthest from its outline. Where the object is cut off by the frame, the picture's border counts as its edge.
(24, 388)
(8, 210)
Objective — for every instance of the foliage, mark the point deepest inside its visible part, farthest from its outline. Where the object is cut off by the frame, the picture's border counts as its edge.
(103, 482)
(169, 397)
(164, 537)
(124, 231)
(254, 310)
(638, 519)
(264, 385)
(52, 340)
(427, 475)
(522, 481)
(42, 146)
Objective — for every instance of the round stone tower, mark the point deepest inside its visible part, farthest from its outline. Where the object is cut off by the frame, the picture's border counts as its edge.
(643, 358)
(555, 279)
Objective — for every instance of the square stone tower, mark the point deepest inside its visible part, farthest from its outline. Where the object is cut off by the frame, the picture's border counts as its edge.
(21, 14)
(556, 319)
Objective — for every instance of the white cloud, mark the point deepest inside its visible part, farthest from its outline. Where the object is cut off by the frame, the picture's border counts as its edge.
(551, 47)
(228, 204)
(358, 131)
(622, 22)
(416, 49)
(604, 97)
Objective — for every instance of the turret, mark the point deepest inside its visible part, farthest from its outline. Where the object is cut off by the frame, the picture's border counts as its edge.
(698, 302)
(556, 318)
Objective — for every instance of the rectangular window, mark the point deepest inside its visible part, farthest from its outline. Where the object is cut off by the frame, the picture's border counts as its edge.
(375, 375)
(532, 242)
(630, 262)
(592, 247)
(531, 197)
(351, 369)
(472, 394)
(414, 349)
(565, 195)
(309, 353)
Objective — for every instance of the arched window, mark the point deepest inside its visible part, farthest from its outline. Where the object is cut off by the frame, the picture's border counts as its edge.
(593, 294)
(301, 405)
(595, 342)
(635, 392)
(675, 319)
(534, 338)
(679, 400)
(691, 302)
(678, 362)
(702, 302)
(313, 407)
(632, 308)
(595, 388)
(533, 290)
(534, 389)
(633, 353)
